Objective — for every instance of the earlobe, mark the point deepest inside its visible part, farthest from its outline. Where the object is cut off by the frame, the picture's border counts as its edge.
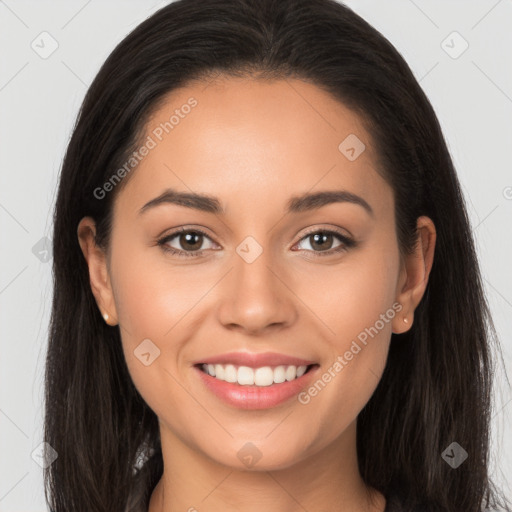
(98, 272)
(401, 320)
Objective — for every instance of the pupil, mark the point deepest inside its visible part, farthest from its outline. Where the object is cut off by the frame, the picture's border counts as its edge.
(189, 236)
(322, 237)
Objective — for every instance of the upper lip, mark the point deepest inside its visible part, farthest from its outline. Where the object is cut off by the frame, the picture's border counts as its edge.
(255, 360)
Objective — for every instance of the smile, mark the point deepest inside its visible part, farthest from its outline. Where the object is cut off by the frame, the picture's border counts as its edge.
(255, 388)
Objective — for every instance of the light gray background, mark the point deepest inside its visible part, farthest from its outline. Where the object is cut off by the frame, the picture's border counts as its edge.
(39, 99)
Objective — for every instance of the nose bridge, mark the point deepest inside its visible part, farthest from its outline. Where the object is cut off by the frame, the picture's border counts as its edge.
(252, 262)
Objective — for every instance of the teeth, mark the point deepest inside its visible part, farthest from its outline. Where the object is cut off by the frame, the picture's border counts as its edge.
(245, 376)
(301, 370)
(230, 373)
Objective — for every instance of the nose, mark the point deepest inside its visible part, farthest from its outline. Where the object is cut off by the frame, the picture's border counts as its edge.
(257, 296)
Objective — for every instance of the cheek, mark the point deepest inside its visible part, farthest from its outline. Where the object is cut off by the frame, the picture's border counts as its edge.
(151, 293)
(148, 307)
(356, 303)
(155, 301)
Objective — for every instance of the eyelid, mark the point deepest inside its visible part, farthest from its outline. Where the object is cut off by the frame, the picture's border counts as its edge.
(335, 230)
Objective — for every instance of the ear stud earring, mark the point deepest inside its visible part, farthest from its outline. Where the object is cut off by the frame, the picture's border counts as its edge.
(406, 321)
(105, 316)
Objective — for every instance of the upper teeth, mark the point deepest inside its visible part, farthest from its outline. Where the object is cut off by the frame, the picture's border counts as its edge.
(244, 375)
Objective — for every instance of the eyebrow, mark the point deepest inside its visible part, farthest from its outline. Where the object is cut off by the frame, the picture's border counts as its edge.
(296, 204)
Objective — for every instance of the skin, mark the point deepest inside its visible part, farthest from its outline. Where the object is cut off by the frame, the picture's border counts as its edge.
(254, 144)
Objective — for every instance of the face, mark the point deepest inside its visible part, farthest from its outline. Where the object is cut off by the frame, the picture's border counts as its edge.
(268, 271)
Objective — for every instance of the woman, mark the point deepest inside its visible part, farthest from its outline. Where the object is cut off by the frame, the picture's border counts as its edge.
(266, 287)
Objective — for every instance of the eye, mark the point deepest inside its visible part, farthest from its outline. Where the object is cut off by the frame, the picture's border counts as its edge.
(189, 241)
(321, 242)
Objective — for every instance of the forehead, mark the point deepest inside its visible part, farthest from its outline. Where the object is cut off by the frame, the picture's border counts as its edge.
(257, 140)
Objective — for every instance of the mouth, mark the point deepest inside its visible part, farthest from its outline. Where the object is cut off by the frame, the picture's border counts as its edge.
(257, 377)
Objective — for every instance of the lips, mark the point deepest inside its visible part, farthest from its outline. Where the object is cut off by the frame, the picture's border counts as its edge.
(255, 360)
(252, 397)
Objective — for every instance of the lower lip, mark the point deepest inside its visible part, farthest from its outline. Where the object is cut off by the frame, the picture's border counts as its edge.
(256, 397)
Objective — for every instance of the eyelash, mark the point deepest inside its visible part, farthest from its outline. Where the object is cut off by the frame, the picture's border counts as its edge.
(346, 243)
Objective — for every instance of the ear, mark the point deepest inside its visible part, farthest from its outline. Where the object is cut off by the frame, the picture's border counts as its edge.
(414, 274)
(98, 269)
